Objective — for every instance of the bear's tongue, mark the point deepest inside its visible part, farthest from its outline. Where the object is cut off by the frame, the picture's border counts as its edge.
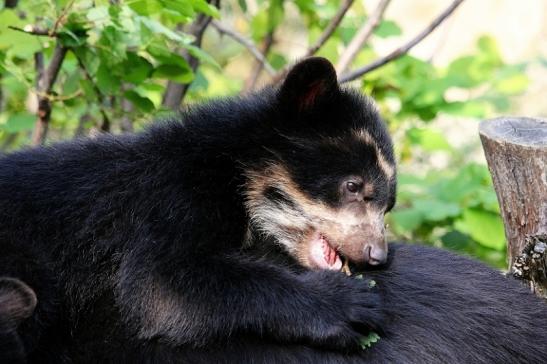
(323, 255)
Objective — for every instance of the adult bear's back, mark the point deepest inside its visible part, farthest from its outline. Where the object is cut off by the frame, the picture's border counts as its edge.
(448, 308)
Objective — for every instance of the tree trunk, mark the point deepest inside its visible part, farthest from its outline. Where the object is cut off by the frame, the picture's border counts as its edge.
(516, 152)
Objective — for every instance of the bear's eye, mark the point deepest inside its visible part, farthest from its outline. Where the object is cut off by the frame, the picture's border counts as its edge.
(353, 187)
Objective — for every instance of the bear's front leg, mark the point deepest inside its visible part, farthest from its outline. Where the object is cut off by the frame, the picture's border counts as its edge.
(200, 301)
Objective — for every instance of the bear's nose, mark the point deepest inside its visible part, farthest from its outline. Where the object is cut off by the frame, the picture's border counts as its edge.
(375, 255)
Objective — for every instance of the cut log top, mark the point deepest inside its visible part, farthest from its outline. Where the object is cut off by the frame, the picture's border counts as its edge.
(526, 132)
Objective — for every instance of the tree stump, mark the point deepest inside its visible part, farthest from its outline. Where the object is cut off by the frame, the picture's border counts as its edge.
(516, 152)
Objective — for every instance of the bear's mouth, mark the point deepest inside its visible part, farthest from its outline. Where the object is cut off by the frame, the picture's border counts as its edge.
(323, 255)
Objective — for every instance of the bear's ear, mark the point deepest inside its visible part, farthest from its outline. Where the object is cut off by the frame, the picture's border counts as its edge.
(309, 83)
(17, 301)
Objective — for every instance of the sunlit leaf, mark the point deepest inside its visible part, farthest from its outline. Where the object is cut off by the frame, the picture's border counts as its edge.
(141, 102)
(483, 226)
(19, 122)
(428, 138)
(387, 28)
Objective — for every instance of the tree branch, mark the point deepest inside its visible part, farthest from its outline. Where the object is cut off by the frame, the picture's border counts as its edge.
(246, 43)
(34, 30)
(399, 52)
(362, 36)
(329, 30)
(327, 33)
(175, 92)
(46, 79)
(105, 125)
(258, 66)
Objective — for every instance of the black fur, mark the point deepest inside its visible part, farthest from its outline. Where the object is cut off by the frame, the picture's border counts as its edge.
(137, 246)
(140, 236)
(442, 308)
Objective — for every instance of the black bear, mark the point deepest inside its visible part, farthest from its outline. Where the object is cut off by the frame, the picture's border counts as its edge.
(220, 237)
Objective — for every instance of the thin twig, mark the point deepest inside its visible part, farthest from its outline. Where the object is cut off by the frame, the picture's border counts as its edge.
(175, 91)
(258, 66)
(45, 84)
(327, 33)
(105, 126)
(399, 52)
(362, 36)
(61, 16)
(34, 30)
(222, 29)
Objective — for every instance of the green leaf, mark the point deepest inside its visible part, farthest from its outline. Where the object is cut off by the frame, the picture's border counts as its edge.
(367, 341)
(107, 81)
(428, 138)
(174, 73)
(202, 56)
(205, 8)
(18, 43)
(141, 102)
(484, 227)
(113, 46)
(70, 39)
(145, 7)
(19, 122)
(242, 4)
(183, 7)
(157, 27)
(387, 28)
(476, 109)
(98, 15)
(512, 85)
(434, 210)
(488, 46)
(407, 219)
(138, 68)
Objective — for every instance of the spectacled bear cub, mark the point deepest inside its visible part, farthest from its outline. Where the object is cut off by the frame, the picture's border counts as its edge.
(220, 238)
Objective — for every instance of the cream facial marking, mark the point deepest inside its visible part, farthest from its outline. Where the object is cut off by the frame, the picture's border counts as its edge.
(296, 222)
(364, 136)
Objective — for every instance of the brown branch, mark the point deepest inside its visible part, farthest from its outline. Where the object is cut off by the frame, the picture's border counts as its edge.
(175, 92)
(61, 16)
(105, 125)
(249, 45)
(126, 123)
(34, 30)
(327, 33)
(258, 66)
(399, 52)
(362, 36)
(46, 79)
(329, 30)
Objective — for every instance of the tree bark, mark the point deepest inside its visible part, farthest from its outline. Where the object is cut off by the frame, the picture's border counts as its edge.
(175, 92)
(516, 152)
(46, 80)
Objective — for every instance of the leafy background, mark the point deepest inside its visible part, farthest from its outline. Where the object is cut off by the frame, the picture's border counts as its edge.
(123, 55)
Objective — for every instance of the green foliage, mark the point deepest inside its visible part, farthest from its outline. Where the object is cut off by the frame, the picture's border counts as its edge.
(369, 340)
(116, 51)
(122, 54)
(456, 209)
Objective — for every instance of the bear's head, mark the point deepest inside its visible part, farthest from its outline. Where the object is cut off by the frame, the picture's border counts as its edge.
(329, 177)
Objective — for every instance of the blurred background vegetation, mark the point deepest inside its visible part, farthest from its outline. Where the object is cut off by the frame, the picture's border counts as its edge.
(115, 66)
